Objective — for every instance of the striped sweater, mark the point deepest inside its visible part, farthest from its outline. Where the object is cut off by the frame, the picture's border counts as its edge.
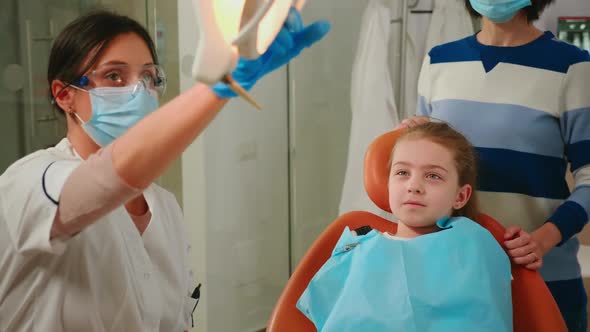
(526, 109)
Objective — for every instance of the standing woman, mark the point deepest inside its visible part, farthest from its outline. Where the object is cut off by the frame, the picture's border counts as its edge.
(87, 241)
(521, 97)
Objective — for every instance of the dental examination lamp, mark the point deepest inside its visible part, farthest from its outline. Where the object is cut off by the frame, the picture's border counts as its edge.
(232, 28)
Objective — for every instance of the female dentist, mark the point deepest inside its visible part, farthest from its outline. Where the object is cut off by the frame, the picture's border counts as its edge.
(87, 241)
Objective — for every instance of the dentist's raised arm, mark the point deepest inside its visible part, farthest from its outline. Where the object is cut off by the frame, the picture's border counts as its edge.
(142, 153)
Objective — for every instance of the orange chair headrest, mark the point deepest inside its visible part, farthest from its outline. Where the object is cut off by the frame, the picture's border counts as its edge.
(377, 168)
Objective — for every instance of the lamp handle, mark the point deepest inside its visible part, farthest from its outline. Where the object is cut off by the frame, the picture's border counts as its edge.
(253, 23)
(299, 4)
(258, 17)
(214, 56)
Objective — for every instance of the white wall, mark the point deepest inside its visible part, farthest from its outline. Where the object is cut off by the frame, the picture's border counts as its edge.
(235, 180)
(320, 121)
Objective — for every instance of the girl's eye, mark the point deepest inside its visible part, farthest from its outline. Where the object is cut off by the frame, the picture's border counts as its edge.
(402, 173)
(433, 176)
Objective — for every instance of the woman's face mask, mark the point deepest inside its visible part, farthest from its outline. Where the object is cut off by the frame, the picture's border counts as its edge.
(120, 96)
(499, 11)
(116, 109)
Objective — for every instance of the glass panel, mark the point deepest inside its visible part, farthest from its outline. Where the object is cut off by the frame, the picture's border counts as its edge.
(27, 120)
(163, 25)
(13, 80)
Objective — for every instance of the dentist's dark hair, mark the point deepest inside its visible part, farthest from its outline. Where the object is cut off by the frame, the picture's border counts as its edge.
(533, 12)
(79, 45)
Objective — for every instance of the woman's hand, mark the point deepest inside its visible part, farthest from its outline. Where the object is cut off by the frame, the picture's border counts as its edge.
(413, 121)
(523, 248)
(290, 41)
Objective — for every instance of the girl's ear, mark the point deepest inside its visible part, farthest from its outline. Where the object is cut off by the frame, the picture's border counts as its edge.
(63, 95)
(463, 196)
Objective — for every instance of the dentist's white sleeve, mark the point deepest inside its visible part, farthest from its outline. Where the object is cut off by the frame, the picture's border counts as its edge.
(43, 190)
(90, 191)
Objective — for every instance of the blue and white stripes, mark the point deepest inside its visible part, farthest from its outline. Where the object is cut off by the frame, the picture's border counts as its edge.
(526, 109)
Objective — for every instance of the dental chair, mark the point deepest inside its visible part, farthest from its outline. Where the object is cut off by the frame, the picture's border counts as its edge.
(534, 309)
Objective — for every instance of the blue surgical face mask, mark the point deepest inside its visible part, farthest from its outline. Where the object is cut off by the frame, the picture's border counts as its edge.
(116, 109)
(499, 11)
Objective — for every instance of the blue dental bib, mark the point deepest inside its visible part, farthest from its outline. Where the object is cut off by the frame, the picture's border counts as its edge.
(457, 279)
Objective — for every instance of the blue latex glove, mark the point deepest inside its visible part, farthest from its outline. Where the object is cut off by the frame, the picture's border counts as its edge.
(289, 42)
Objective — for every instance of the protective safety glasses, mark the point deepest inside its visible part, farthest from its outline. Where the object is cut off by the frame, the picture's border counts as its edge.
(152, 76)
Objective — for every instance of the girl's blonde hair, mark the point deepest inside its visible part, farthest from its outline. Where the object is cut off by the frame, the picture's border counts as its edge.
(464, 155)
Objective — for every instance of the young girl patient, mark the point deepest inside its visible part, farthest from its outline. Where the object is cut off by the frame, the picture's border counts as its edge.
(439, 272)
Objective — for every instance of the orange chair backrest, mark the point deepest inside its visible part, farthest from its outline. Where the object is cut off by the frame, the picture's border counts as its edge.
(534, 308)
